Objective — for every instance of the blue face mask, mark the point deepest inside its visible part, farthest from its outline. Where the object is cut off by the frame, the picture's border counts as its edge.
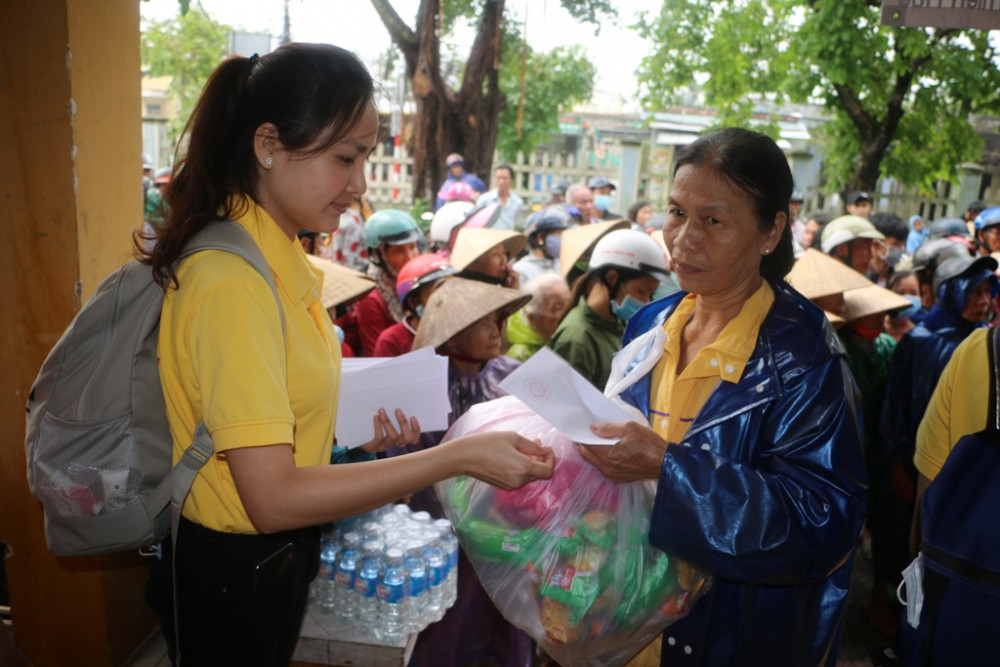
(552, 246)
(913, 309)
(627, 308)
(602, 202)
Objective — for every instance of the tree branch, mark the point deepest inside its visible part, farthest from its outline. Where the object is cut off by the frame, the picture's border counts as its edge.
(400, 33)
(856, 111)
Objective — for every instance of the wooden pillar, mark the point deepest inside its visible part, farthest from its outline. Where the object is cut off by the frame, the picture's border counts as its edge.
(70, 196)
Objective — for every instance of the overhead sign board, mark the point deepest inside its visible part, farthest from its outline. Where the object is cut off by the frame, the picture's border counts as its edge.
(984, 14)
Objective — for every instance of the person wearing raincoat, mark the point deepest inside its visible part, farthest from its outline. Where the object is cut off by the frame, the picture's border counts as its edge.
(754, 431)
(964, 287)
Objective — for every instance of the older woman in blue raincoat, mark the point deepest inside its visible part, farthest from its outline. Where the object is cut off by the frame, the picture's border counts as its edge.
(754, 432)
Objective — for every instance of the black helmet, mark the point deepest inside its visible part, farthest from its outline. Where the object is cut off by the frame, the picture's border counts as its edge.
(932, 252)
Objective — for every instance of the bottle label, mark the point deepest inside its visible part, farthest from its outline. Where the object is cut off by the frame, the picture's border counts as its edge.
(438, 573)
(326, 571)
(345, 578)
(391, 593)
(366, 586)
(418, 585)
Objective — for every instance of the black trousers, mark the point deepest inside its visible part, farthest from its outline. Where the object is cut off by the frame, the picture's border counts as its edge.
(241, 597)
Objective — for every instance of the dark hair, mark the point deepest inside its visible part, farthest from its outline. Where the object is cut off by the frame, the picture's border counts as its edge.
(633, 210)
(891, 225)
(510, 170)
(897, 277)
(822, 219)
(752, 162)
(310, 92)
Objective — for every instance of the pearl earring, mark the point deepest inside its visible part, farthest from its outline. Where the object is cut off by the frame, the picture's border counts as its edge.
(268, 161)
(767, 251)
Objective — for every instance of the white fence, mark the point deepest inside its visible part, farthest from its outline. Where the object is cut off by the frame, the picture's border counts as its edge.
(535, 175)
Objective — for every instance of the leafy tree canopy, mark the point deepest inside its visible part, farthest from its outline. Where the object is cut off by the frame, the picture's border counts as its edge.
(900, 99)
(186, 48)
(537, 88)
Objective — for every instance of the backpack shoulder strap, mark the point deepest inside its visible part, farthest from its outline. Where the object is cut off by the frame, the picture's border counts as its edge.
(229, 236)
(992, 342)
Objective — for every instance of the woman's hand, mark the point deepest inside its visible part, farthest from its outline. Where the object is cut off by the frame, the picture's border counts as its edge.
(638, 454)
(386, 435)
(504, 458)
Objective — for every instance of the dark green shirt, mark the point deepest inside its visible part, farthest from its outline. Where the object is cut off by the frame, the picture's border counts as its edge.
(588, 341)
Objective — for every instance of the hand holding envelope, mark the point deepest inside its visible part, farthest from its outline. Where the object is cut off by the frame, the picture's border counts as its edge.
(565, 399)
(416, 383)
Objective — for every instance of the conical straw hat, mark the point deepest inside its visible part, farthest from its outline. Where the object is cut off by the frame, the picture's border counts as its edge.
(473, 243)
(816, 275)
(577, 242)
(871, 300)
(341, 285)
(459, 303)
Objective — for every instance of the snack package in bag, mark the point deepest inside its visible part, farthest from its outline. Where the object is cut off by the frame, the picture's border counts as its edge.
(567, 559)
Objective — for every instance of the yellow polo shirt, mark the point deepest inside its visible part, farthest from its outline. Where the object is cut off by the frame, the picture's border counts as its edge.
(224, 361)
(675, 400)
(958, 405)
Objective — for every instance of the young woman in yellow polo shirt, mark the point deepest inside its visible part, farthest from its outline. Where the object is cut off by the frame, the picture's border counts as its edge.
(277, 143)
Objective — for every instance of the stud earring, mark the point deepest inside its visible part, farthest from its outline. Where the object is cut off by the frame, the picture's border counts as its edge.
(767, 251)
(268, 161)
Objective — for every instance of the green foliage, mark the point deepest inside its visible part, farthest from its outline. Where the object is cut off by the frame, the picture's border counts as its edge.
(727, 52)
(553, 83)
(835, 52)
(186, 48)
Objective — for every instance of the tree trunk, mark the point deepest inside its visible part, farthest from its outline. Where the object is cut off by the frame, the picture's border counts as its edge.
(446, 121)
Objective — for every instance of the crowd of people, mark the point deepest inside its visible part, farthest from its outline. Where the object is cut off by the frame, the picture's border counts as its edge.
(776, 446)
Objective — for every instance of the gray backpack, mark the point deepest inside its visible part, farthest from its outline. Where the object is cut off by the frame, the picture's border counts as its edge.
(98, 444)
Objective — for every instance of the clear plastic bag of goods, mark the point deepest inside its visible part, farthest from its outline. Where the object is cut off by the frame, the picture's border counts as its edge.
(567, 559)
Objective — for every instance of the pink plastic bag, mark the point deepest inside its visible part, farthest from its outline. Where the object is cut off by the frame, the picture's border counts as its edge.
(568, 559)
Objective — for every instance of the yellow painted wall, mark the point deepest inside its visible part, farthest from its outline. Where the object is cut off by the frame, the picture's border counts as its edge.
(70, 197)
(107, 132)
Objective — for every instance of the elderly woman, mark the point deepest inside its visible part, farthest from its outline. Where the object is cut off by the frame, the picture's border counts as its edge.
(463, 320)
(754, 437)
(485, 254)
(531, 327)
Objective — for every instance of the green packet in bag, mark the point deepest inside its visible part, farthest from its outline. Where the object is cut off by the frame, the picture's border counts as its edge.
(491, 542)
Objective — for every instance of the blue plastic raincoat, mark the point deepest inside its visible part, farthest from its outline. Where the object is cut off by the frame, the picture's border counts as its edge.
(767, 493)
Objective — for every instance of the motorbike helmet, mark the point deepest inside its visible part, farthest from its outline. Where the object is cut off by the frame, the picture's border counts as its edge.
(390, 226)
(419, 271)
(458, 191)
(630, 250)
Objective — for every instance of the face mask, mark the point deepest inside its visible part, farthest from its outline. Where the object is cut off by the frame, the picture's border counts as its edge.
(913, 309)
(892, 256)
(627, 308)
(602, 202)
(552, 246)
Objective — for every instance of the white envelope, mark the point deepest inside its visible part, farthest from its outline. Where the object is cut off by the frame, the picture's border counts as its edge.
(565, 399)
(416, 383)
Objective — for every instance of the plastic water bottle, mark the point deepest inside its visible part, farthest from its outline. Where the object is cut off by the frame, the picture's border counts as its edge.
(449, 543)
(345, 599)
(325, 580)
(416, 569)
(366, 586)
(392, 600)
(437, 567)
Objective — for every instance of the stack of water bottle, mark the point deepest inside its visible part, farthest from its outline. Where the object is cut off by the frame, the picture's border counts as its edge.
(389, 573)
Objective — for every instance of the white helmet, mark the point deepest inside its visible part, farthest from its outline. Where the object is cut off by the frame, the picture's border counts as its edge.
(447, 218)
(632, 250)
